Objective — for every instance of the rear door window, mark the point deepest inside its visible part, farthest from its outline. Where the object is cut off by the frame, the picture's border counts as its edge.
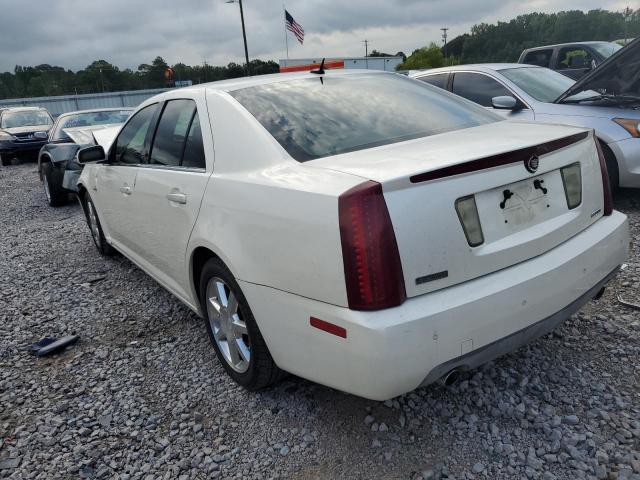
(171, 134)
(572, 58)
(437, 80)
(542, 58)
(194, 149)
(478, 88)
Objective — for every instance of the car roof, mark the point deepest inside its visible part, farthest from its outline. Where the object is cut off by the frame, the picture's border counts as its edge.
(245, 82)
(480, 67)
(593, 42)
(97, 110)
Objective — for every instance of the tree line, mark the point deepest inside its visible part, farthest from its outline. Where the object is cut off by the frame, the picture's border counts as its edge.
(505, 41)
(102, 76)
(499, 42)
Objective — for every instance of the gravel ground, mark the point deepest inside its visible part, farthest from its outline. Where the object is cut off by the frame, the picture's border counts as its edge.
(143, 396)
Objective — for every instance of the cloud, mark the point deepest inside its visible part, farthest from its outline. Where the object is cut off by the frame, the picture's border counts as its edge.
(73, 33)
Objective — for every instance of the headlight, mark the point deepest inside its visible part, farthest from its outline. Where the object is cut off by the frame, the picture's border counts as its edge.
(468, 215)
(630, 125)
(4, 137)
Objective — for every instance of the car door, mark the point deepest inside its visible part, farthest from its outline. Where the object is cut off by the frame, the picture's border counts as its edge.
(115, 179)
(481, 89)
(168, 192)
(575, 61)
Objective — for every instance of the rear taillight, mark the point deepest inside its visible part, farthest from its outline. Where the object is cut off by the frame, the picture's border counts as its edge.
(606, 187)
(372, 269)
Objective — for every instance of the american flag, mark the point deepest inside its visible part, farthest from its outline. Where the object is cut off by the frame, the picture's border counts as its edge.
(294, 27)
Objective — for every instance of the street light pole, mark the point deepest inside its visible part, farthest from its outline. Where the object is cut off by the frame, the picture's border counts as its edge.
(244, 35)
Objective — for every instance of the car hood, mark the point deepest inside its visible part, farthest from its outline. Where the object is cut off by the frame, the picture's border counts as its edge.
(26, 129)
(94, 135)
(617, 75)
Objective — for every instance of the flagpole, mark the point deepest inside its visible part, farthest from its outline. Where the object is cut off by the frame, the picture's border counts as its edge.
(286, 40)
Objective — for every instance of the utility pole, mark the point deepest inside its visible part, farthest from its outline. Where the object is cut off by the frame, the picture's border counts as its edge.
(244, 34)
(366, 52)
(444, 38)
(102, 80)
(627, 17)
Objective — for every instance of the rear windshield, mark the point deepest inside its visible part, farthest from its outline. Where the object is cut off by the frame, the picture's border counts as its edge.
(318, 117)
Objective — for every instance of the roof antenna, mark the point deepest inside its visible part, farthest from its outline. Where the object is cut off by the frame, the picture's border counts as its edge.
(320, 70)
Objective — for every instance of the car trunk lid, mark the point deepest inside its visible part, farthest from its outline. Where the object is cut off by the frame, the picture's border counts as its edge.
(422, 180)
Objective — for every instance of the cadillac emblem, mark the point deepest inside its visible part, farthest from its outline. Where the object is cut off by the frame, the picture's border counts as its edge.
(532, 164)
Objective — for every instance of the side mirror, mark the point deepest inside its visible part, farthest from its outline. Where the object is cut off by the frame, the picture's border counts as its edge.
(505, 102)
(41, 136)
(91, 155)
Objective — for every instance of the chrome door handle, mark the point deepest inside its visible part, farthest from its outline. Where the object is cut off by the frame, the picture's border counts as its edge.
(126, 190)
(177, 197)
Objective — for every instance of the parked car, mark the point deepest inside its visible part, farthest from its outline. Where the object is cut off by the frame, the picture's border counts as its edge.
(607, 100)
(23, 130)
(571, 59)
(57, 166)
(369, 249)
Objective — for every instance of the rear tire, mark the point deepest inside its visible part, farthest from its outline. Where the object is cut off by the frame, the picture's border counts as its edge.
(612, 167)
(233, 331)
(96, 228)
(52, 184)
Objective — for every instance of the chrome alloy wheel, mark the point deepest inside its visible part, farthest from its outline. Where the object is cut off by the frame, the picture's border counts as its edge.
(93, 222)
(229, 330)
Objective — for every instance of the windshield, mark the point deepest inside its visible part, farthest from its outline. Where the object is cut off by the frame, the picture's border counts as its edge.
(543, 84)
(25, 118)
(318, 117)
(606, 49)
(89, 119)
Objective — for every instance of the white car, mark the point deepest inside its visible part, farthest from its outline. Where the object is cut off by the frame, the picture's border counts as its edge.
(359, 229)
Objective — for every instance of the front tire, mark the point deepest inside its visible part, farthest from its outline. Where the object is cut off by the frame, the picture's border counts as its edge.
(96, 228)
(233, 331)
(5, 160)
(52, 184)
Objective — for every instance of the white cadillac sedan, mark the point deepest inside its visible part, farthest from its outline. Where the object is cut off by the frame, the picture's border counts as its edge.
(358, 229)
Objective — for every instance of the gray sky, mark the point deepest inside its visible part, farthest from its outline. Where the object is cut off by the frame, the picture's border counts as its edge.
(73, 33)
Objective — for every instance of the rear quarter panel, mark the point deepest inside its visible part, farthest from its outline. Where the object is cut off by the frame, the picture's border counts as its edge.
(272, 220)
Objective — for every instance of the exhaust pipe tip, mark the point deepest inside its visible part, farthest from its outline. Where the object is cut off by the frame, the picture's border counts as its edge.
(598, 295)
(450, 378)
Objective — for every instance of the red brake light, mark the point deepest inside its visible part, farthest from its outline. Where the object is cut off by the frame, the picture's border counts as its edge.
(606, 187)
(372, 268)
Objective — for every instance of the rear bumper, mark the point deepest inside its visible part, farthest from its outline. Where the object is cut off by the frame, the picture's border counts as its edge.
(390, 352)
(627, 153)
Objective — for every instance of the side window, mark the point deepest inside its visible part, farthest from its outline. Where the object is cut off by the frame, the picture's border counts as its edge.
(194, 149)
(437, 80)
(130, 144)
(171, 134)
(478, 88)
(541, 58)
(574, 58)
